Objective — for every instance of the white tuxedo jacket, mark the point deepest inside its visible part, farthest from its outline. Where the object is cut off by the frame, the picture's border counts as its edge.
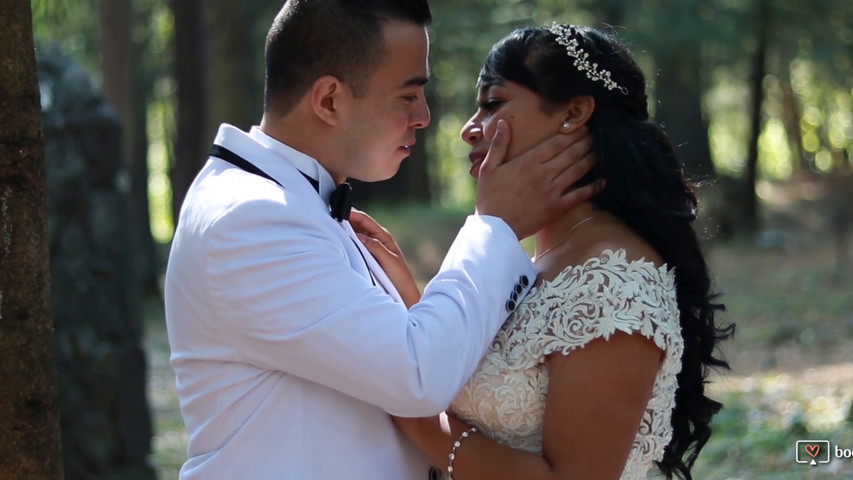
(288, 358)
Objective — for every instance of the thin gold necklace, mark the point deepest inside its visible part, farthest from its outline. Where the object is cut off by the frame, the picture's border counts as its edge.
(565, 237)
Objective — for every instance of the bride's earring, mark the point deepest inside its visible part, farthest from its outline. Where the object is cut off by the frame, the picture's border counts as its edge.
(566, 125)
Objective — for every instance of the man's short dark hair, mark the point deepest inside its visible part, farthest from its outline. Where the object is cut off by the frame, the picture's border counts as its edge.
(343, 38)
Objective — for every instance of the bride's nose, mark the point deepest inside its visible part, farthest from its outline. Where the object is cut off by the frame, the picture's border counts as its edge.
(471, 132)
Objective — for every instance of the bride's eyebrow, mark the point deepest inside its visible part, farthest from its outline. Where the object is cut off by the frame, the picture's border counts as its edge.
(493, 89)
(483, 85)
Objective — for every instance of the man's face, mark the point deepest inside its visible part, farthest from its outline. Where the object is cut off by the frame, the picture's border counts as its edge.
(381, 125)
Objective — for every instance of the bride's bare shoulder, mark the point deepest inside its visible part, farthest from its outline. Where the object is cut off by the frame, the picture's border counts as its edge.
(608, 234)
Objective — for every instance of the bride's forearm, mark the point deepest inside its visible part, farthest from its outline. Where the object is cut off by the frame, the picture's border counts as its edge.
(477, 457)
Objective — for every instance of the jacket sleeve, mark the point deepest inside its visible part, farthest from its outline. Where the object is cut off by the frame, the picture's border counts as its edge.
(286, 299)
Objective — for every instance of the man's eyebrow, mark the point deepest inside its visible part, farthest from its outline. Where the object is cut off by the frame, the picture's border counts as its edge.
(415, 82)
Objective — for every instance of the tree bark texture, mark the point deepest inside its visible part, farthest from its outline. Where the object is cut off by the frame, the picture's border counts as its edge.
(29, 412)
(126, 87)
(192, 143)
(679, 89)
(234, 71)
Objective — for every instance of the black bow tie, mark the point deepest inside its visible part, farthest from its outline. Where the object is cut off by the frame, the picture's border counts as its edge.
(340, 202)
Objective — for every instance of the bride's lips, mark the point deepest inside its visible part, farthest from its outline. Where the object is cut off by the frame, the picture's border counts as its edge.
(476, 161)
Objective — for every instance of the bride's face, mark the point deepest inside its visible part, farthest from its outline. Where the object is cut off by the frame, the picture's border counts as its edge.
(529, 120)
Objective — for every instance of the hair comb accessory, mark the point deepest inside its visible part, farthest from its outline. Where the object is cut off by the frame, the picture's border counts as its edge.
(566, 37)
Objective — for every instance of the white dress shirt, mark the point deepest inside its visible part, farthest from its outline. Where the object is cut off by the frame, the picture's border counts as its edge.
(288, 357)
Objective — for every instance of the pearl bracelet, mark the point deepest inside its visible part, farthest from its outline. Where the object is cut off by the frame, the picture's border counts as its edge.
(452, 456)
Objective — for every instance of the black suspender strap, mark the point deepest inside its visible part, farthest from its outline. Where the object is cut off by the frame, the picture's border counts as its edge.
(340, 195)
(223, 153)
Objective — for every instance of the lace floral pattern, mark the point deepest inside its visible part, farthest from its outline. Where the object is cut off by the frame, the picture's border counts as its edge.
(505, 398)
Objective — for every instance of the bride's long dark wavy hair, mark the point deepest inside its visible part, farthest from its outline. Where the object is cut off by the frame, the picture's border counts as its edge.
(645, 189)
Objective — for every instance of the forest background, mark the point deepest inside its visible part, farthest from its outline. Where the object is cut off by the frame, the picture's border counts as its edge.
(757, 94)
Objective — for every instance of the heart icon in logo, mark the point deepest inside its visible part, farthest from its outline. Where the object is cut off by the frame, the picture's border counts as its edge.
(812, 450)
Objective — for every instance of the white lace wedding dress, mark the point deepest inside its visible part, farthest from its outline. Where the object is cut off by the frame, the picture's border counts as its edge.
(505, 398)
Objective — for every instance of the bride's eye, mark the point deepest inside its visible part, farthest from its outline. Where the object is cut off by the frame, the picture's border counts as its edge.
(489, 105)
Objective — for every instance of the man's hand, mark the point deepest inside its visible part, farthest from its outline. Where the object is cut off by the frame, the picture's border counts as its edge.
(534, 188)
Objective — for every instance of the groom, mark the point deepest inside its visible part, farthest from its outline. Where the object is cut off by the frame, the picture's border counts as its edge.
(289, 343)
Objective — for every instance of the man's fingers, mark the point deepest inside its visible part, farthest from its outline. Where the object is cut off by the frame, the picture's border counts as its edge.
(576, 152)
(576, 143)
(577, 196)
(574, 171)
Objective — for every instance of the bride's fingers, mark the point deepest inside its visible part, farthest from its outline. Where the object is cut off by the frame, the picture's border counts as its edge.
(380, 252)
(364, 223)
(392, 262)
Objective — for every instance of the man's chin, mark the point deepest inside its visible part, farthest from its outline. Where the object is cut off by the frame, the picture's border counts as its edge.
(377, 176)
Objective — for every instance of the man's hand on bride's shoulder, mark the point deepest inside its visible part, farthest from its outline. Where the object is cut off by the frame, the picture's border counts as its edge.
(385, 250)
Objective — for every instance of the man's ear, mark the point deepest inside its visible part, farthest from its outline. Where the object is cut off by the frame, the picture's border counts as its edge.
(328, 95)
(577, 113)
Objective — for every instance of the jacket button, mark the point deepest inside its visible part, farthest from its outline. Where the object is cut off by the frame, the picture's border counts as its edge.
(524, 281)
(434, 474)
(510, 305)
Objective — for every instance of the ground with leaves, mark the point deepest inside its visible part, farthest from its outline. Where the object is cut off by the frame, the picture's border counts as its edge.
(792, 357)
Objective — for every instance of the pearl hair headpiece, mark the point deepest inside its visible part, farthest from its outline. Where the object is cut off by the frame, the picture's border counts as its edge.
(565, 37)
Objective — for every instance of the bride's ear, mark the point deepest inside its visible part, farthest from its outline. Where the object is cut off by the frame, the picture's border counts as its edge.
(577, 113)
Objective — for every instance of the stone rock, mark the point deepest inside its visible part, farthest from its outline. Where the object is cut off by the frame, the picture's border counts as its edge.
(105, 418)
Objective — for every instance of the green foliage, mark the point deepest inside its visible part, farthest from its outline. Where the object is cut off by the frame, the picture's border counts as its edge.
(810, 49)
(792, 371)
(72, 24)
(755, 437)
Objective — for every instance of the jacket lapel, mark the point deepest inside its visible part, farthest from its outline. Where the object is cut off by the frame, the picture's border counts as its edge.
(295, 184)
(373, 265)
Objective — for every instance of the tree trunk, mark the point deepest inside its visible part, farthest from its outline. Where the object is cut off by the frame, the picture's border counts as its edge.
(126, 88)
(679, 84)
(148, 262)
(750, 204)
(679, 88)
(29, 410)
(233, 70)
(115, 22)
(791, 114)
(192, 143)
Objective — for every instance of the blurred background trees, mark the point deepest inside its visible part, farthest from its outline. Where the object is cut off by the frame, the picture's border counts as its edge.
(755, 91)
(756, 94)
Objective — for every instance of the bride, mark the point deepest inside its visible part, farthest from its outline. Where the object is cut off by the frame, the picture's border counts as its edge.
(600, 371)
